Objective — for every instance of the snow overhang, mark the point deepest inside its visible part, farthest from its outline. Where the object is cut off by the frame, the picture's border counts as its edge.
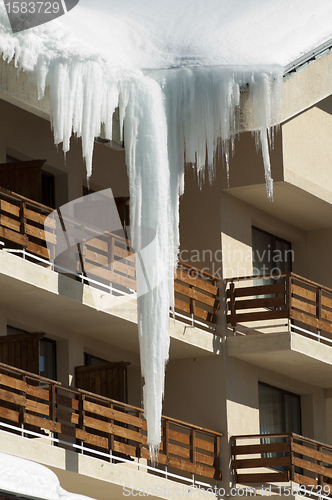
(18, 88)
(307, 81)
(308, 84)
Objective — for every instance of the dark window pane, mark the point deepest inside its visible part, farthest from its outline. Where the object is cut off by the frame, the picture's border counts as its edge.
(47, 359)
(292, 413)
(270, 410)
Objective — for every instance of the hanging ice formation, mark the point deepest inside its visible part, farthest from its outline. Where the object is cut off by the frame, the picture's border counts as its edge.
(165, 116)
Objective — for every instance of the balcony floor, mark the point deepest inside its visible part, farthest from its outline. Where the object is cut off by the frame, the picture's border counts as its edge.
(286, 352)
(87, 475)
(39, 292)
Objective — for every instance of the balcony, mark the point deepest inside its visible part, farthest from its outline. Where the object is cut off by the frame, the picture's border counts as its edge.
(279, 459)
(284, 325)
(35, 407)
(105, 261)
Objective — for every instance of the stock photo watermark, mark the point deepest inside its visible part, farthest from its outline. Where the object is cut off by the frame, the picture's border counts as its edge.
(217, 492)
(24, 15)
(236, 262)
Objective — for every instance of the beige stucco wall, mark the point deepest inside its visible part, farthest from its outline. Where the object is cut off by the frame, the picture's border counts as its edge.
(307, 150)
(26, 137)
(236, 226)
(319, 256)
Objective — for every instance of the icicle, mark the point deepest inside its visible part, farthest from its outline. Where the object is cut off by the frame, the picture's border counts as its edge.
(145, 135)
(167, 116)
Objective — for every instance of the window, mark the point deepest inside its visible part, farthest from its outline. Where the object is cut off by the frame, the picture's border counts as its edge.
(47, 358)
(48, 189)
(90, 359)
(279, 410)
(271, 255)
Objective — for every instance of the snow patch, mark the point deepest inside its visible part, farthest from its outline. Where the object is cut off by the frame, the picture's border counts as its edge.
(24, 477)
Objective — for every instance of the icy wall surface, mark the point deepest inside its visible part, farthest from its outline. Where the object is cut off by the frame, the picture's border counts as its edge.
(175, 69)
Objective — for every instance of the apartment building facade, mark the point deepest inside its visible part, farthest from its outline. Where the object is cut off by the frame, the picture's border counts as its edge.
(248, 392)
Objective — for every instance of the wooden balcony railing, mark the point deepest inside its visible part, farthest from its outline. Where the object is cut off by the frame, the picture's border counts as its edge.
(32, 404)
(280, 458)
(106, 259)
(308, 305)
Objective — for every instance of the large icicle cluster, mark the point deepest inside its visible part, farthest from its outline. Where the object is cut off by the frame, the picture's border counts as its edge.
(166, 116)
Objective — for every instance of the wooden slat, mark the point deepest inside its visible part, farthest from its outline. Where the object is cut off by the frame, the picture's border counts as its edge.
(194, 294)
(39, 218)
(190, 467)
(127, 419)
(100, 425)
(303, 292)
(251, 449)
(8, 234)
(124, 448)
(38, 250)
(99, 441)
(179, 451)
(312, 467)
(93, 257)
(203, 444)
(12, 382)
(11, 397)
(13, 416)
(248, 463)
(196, 282)
(38, 392)
(96, 257)
(11, 223)
(37, 407)
(309, 452)
(259, 290)
(182, 306)
(10, 208)
(162, 459)
(127, 433)
(122, 267)
(327, 315)
(205, 459)
(97, 243)
(40, 234)
(199, 313)
(256, 316)
(113, 277)
(327, 301)
(326, 327)
(257, 303)
(305, 480)
(304, 306)
(179, 436)
(124, 254)
(259, 478)
(42, 422)
(97, 409)
(309, 320)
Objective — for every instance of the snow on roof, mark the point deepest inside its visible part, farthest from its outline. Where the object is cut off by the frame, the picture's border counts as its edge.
(171, 33)
(26, 478)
